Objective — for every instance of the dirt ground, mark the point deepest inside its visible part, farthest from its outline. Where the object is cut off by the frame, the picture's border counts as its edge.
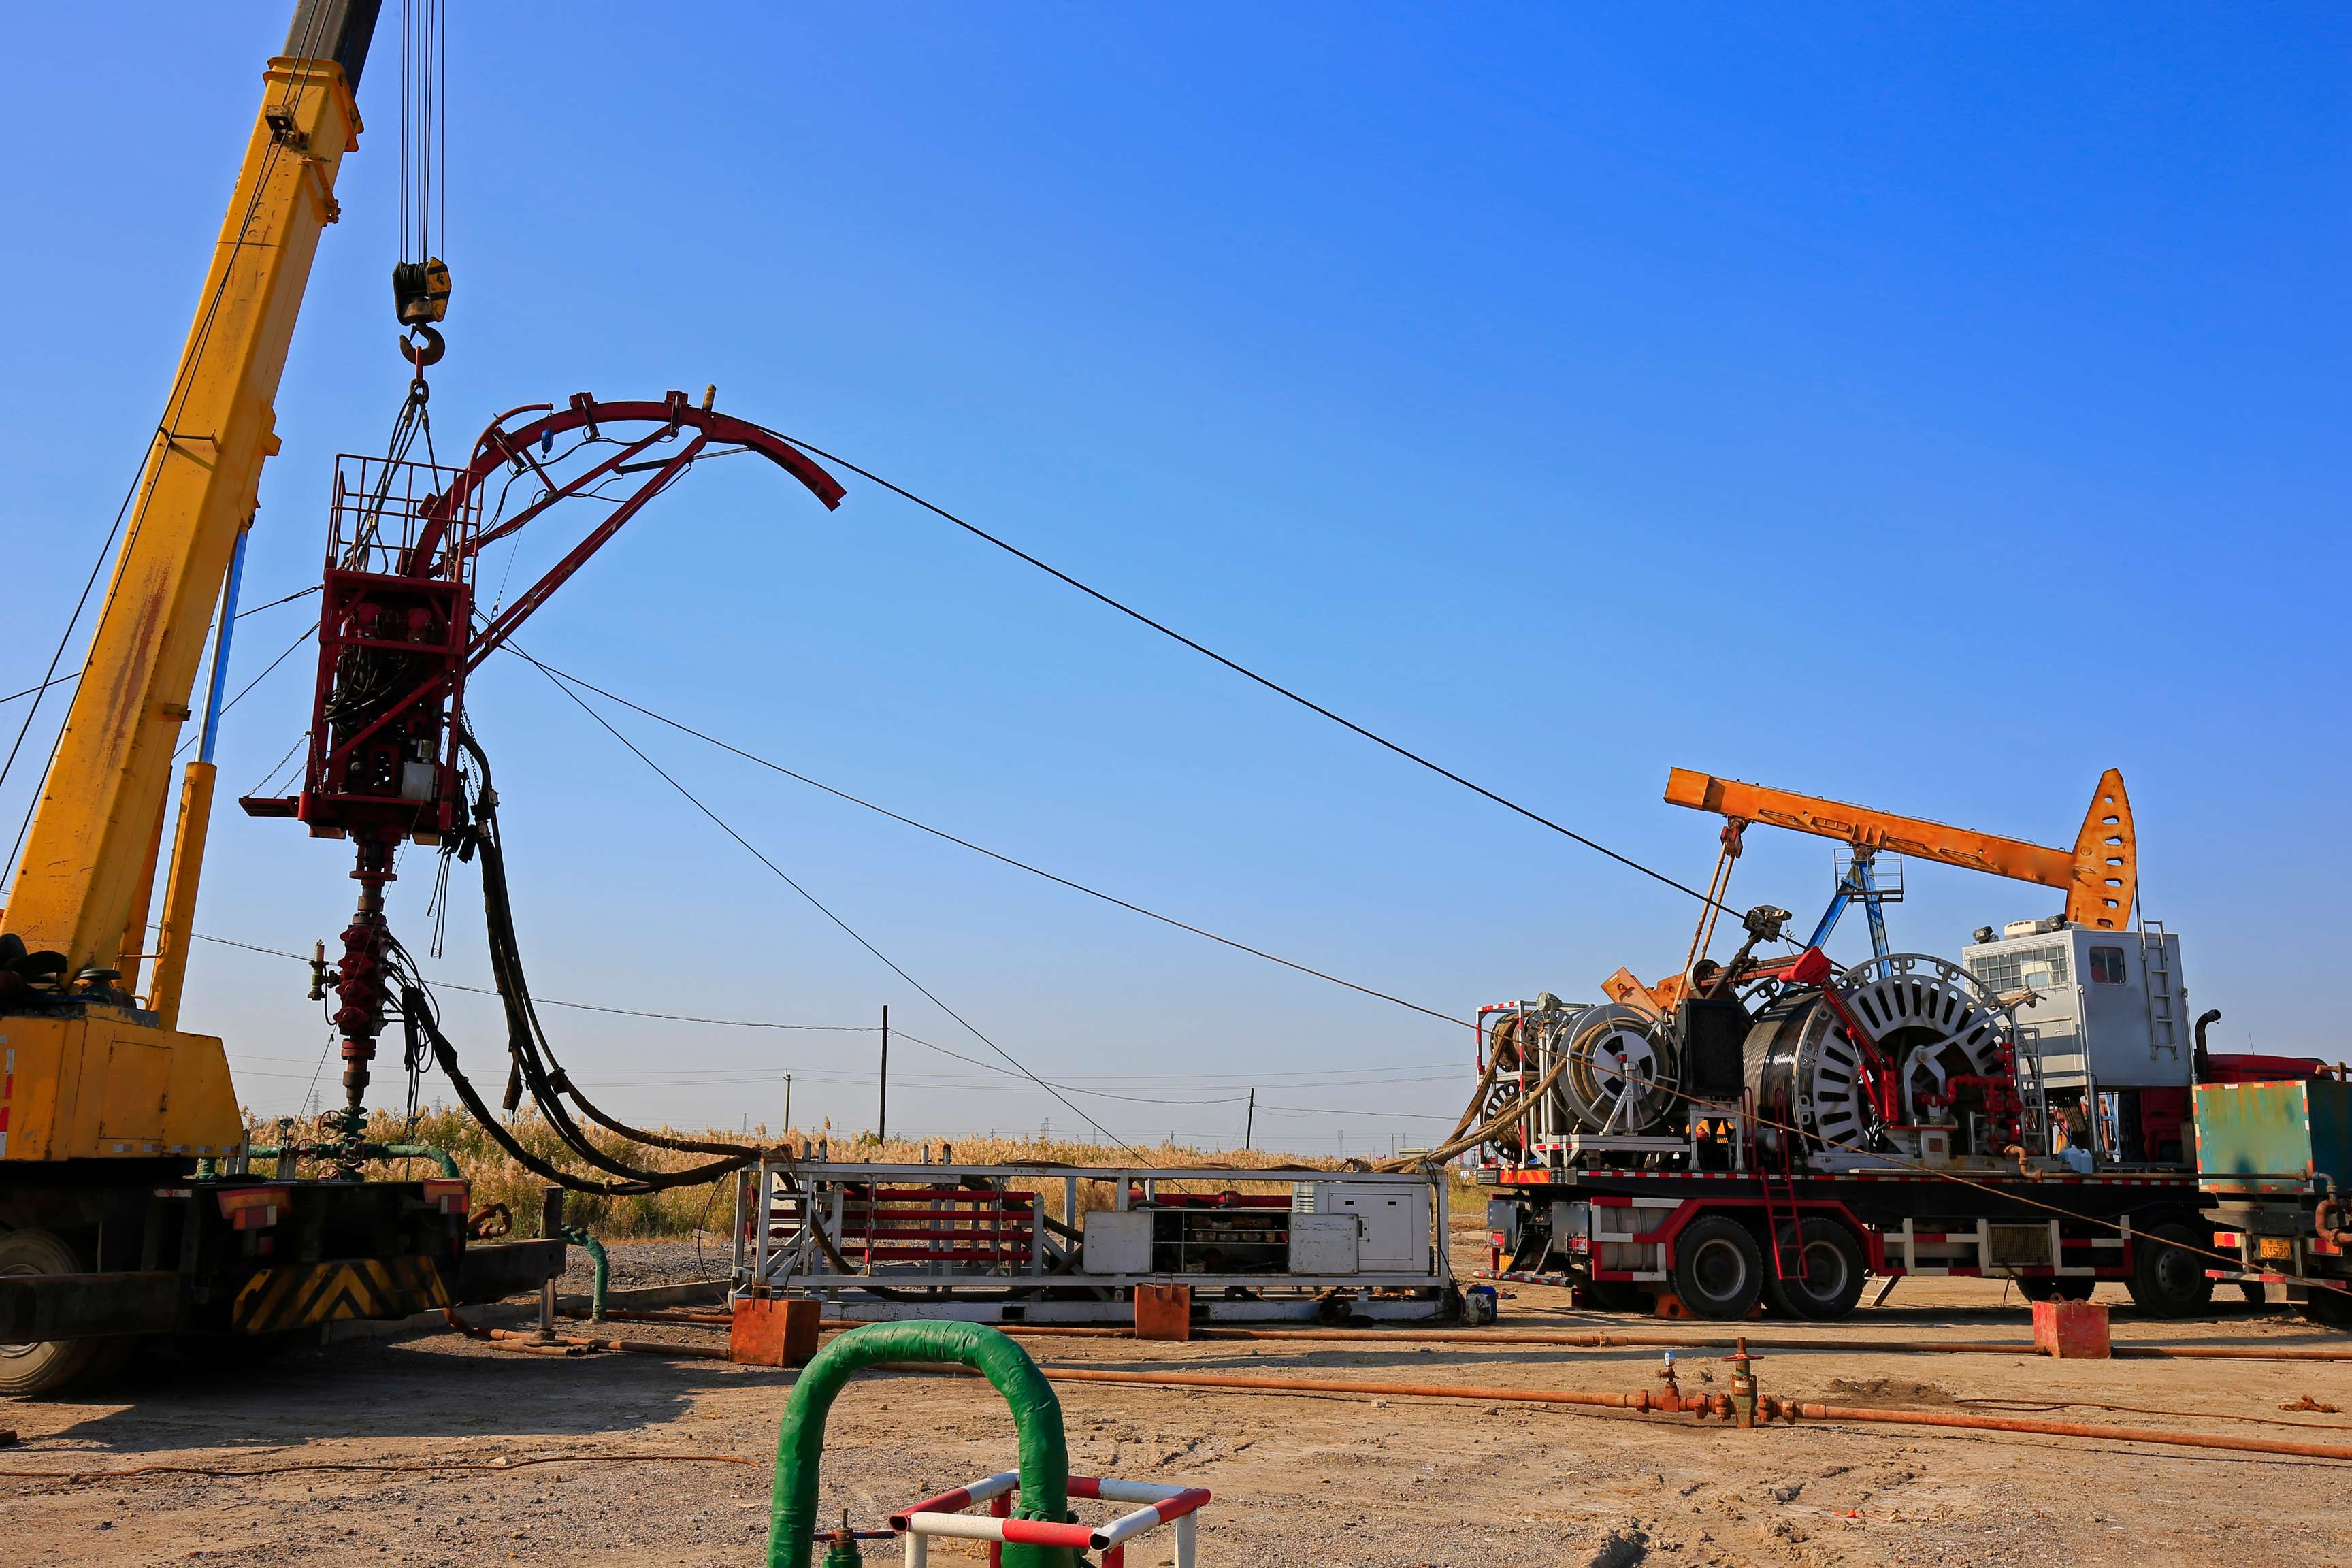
(1358, 1481)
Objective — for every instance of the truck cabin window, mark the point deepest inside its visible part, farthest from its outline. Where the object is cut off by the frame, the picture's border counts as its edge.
(2107, 966)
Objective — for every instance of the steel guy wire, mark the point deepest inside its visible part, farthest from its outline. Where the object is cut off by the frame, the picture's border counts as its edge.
(816, 903)
(994, 1070)
(994, 855)
(1269, 683)
(249, 685)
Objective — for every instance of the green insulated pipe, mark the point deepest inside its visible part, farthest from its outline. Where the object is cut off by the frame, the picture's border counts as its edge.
(1036, 1420)
(441, 1157)
(578, 1236)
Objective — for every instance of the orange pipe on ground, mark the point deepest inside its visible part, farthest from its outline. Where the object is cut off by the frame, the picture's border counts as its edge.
(1365, 1338)
(1768, 1408)
(2067, 1429)
(1641, 1400)
(516, 1339)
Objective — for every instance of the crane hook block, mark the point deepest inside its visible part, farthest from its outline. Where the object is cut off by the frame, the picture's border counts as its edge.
(420, 292)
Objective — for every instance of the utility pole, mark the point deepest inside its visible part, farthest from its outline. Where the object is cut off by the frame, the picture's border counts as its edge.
(882, 1115)
(1249, 1124)
(788, 1103)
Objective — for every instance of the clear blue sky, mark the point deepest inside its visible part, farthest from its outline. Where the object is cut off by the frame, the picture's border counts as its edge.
(1928, 406)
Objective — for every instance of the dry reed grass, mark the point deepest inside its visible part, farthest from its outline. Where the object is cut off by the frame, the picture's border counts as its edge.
(497, 1177)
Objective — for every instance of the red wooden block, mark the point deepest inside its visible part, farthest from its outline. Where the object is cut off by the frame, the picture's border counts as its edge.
(1163, 1311)
(775, 1332)
(2072, 1330)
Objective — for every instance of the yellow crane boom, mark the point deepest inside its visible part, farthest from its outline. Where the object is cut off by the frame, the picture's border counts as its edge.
(2100, 876)
(101, 1078)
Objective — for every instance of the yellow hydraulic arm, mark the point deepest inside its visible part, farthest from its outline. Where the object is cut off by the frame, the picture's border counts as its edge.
(2100, 875)
(106, 1082)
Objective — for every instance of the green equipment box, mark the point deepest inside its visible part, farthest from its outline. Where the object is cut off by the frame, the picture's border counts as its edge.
(2255, 1138)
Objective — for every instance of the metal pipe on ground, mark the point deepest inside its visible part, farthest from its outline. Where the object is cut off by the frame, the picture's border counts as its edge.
(516, 1339)
(1770, 1409)
(1365, 1338)
(1644, 1400)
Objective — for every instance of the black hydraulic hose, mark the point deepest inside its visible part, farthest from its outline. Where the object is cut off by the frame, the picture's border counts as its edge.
(412, 999)
(526, 1038)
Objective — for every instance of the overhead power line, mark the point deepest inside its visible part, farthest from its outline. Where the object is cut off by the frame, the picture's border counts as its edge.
(587, 1006)
(713, 1077)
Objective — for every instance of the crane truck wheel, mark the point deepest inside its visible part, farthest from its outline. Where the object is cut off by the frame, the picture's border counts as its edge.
(2058, 1288)
(1718, 1267)
(1828, 1270)
(39, 1368)
(2168, 1278)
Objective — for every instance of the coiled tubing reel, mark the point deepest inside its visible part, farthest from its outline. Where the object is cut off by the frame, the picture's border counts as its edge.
(1622, 1069)
(1944, 1054)
(1618, 1069)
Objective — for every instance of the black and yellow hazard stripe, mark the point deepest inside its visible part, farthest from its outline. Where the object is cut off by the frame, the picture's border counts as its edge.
(302, 1295)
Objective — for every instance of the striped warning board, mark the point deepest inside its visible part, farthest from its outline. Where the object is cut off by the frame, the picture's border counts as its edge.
(299, 1296)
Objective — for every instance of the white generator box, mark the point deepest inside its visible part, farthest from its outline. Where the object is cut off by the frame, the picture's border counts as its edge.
(1117, 1241)
(1395, 1217)
(2103, 1007)
(1325, 1243)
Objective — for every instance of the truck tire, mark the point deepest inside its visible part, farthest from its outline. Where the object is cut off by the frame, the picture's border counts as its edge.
(1718, 1267)
(41, 1368)
(2168, 1278)
(2058, 1288)
(1830, 1266)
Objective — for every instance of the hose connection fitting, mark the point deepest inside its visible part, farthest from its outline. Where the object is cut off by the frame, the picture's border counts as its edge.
(1743, 1386)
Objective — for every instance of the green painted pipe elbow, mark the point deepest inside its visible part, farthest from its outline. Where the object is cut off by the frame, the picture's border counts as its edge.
(1036, 1421)
(441, 1157)
(578, 1236)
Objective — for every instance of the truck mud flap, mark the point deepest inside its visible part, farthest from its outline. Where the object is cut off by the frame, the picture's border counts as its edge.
(301, 1296)
(39, 1307)
(493, 1271)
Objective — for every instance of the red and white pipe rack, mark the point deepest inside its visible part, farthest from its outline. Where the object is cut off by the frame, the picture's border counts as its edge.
(944, 1516)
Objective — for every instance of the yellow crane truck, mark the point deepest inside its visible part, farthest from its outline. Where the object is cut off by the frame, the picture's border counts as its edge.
(127, 1206)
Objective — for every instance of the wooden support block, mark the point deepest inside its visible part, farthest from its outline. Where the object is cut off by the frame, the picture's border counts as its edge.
(1163, 1311)
(2072, 1330)
(772, 1331)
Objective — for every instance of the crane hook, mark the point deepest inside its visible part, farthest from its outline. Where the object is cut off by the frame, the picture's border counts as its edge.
(422, 346)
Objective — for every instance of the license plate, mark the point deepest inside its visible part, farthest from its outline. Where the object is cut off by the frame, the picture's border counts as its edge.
(2276, 1246)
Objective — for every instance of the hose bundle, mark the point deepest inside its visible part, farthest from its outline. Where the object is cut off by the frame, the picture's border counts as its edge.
(534, 1066)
